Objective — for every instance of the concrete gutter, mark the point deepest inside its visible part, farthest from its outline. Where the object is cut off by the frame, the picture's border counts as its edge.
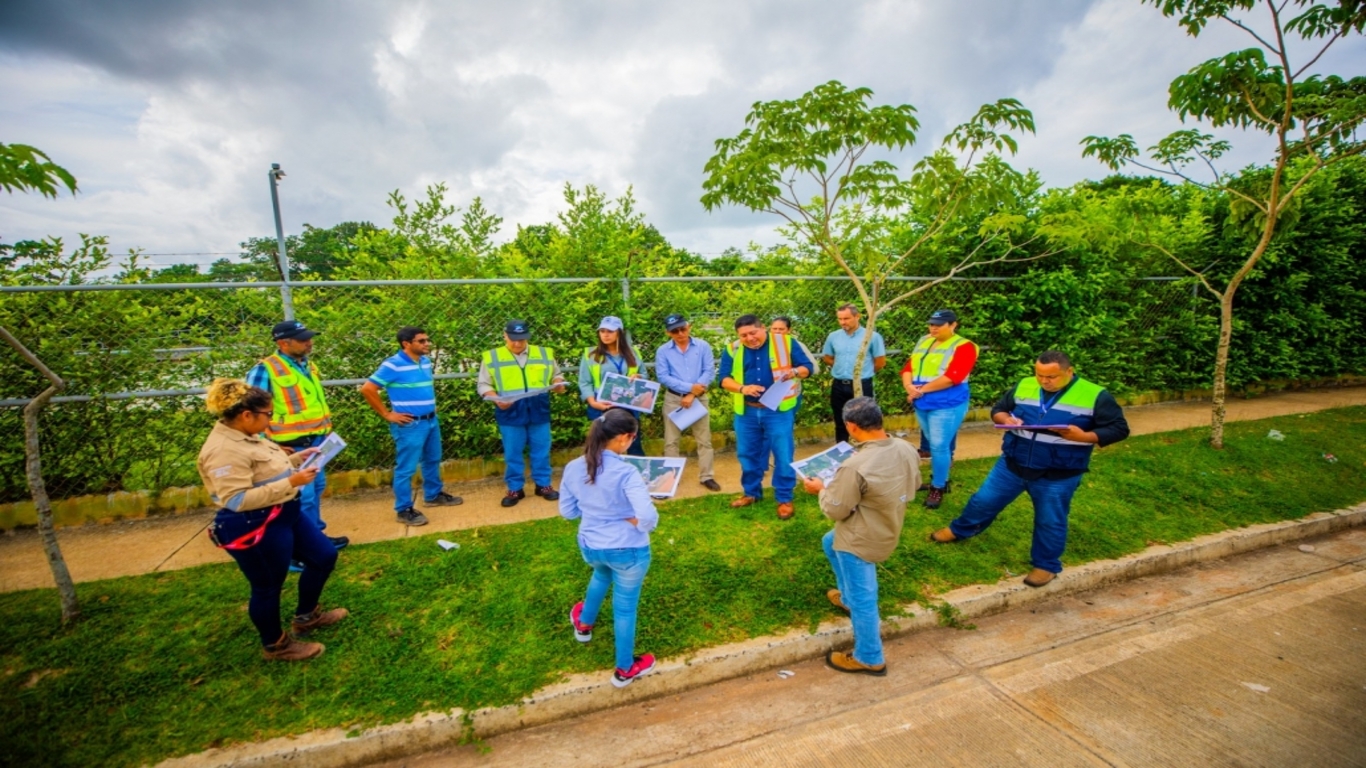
(582, 694)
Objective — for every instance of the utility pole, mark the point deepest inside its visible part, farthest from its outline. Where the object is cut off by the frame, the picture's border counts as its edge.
(286, 298)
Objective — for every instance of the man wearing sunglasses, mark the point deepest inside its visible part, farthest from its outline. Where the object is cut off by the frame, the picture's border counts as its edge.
(407, 378)
(686, 368)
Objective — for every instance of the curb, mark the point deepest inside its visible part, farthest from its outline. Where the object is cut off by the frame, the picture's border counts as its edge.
(584, 694)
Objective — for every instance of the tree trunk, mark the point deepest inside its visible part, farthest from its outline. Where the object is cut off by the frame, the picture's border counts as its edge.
(1216, 432)
(66, 588)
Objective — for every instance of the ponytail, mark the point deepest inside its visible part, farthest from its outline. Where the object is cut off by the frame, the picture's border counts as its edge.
(605, 428)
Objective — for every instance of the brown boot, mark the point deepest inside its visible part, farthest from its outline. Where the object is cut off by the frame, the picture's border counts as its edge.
(785, 511)
(836, 599)
(943, 536)
(318, 618)
(743, 501)
(845, 662)
(1039, 577)
(289, 649)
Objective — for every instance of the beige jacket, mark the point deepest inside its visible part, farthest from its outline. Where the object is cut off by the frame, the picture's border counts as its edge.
(245, 472)
(867, 498)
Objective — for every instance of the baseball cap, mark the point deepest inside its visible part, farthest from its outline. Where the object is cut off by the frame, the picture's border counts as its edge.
(943, 317)
(674, 322)
(291, 329)
(517, 330)
(610, 323)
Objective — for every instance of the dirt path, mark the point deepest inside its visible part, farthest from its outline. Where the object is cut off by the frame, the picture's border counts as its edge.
(105, 551)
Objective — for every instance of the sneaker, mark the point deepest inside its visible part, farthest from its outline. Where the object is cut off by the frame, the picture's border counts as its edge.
(582, 632)
(444, 499)
(318, 618)
(512, 497)
(935, 498)
(411, 516)
(547, 492)
(296, 566)
(289, 649)
(711, 485)
(623, 677)
(340, 542)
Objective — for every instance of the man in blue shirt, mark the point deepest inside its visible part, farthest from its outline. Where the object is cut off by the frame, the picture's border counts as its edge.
(749, 366)
(841, 347)
(686, 368)
(407, 376)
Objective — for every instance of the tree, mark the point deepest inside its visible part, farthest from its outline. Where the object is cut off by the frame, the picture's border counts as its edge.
(316, 254)
(1312, 118)
(29, 169)
(808, 161)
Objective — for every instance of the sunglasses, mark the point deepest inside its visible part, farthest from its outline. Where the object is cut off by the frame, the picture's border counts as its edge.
(676, 330)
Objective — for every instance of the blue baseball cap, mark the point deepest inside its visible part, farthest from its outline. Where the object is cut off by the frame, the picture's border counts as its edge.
(610, 323)
(517, 330)
(943, 317)
(674, 322)
(291, 329)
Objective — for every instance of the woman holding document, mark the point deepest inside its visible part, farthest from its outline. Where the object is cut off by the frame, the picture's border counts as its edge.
(256, 486)
(609, 499)
(613, 354)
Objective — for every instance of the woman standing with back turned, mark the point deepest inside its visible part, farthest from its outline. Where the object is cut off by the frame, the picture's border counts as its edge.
(609, 498)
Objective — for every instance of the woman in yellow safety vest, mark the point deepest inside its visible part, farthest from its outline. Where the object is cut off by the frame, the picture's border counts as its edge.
(613, 354)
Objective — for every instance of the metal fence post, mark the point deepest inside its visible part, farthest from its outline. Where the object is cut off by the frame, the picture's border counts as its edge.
(286, 297)
(626, 301)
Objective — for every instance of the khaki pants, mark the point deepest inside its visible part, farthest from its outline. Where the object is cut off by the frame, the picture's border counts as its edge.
(701, 432)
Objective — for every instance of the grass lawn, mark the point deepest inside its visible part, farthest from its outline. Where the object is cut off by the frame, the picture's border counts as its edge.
(168, 664)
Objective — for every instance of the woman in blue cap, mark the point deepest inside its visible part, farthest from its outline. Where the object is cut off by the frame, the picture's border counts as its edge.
(613, 354)
(936, 383)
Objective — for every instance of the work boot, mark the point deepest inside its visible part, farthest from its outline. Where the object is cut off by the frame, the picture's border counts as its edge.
(845, 662)
(836, 599)
(317, 619)
(935, 498)
(411, 517)
(512, 497)
(1039, 577)
(743, 501)
(289, 649)
(925, 486)
(444, 499)
(943, 536)
(547, 492)
(785, 511)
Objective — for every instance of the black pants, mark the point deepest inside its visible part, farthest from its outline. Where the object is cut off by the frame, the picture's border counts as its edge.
(289, 536)
(841, 392)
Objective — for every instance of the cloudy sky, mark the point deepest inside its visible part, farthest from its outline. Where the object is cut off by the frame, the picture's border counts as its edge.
(170, 112)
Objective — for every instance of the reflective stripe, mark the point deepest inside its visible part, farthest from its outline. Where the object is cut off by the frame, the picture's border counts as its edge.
(536, 374)
(925, 349)
(1077, 409)
(300, 404)
(235, 503)
(1049, 437)
(779, 359)
(1034, 401)
(596, 368)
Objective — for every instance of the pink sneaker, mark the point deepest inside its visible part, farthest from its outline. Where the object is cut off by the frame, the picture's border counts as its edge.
(582, 632)
(623, 677)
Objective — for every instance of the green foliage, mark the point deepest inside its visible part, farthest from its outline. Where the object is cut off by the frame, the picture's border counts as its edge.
(167, 664)
(29, 169)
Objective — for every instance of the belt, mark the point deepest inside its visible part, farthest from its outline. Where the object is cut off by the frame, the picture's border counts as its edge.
(850, 381)
(424, 417)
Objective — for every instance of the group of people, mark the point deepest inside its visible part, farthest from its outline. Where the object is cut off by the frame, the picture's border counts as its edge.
(255, 461)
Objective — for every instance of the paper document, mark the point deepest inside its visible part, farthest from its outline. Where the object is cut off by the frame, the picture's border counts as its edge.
(686, 417)
(512, 397)
(824, 464)
(329, 447)
(1031, 427)
(661, 474)
(774, 395)
(626, 392)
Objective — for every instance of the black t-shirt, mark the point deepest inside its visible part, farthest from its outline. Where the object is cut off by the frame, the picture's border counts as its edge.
(1110, 428)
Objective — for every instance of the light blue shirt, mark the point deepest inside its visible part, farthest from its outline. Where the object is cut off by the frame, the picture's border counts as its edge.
(844, 348)
(678, 370)
(409, 383)
(610, 364)
(602, 507)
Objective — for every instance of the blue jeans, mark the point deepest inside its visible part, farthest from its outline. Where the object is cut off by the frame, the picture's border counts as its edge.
(516, 440)
(289, 536)
(760, 432)
(856, 579)
(417, 442)
(625, 570)
(311, 495)
(940, 428)
(635, 449)
(1052, 503)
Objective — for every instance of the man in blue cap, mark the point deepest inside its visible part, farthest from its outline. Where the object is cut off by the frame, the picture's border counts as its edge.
(506, 375)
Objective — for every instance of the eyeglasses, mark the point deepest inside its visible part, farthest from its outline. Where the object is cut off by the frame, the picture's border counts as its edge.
(672, 331)
(267, 414)
(422, 341)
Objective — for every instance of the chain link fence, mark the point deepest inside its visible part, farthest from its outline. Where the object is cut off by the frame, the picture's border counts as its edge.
(135, 357)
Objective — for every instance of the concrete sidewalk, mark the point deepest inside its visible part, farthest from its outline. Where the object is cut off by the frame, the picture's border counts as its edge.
(140, 546)
(1250, 660)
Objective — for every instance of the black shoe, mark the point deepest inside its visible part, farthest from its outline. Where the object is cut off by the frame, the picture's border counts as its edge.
(935, 498)
(411, 517)
(444, 499)
(340, 542)
(926, 486)
(711, 485)
(512, 497)
(547, 492)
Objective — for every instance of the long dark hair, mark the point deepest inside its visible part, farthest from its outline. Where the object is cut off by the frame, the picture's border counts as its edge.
(613, 424)
(600, 353)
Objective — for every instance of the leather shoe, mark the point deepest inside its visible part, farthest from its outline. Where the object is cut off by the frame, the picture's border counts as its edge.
(512, 497)
(743, 501)
(289, 649)
(785, 511)
(319, 618)
(1039, 577)
(340, 542)
(711, 485)
(845, 662)
(836, 599)
(943, 536)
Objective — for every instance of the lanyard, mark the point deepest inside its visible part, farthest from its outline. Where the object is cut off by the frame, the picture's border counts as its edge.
(619, 364)
(1045, 403)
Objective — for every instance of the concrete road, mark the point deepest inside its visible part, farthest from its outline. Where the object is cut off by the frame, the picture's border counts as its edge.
(1258, 660)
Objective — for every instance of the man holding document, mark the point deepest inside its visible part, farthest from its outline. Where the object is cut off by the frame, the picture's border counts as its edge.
(1052, 423)
(759, 370)
(518, 378)
(685, 367)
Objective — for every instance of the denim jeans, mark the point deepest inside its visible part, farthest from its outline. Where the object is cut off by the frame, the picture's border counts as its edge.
(760, 432)
(940, 427)
(624, 570)
(635, 449)
(841, 392)
(1052, 503)
(516, 440)
(856, 579)
(418, 441)
(290, 536)
(311, 495)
